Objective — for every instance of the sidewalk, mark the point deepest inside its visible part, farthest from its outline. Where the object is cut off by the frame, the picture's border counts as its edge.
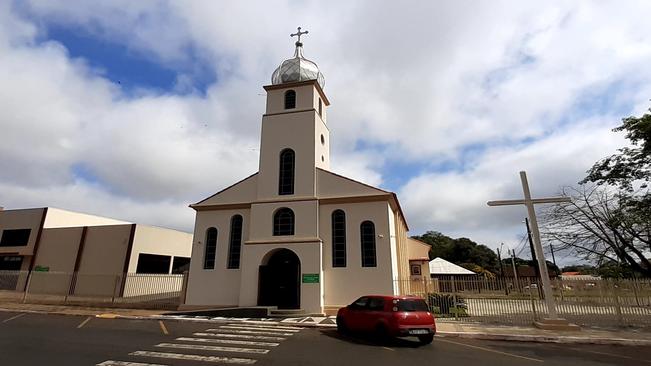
(627, 337)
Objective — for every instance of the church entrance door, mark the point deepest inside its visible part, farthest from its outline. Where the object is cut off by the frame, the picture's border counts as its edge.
(279, 280)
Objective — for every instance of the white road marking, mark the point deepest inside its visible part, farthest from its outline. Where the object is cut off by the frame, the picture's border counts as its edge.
(125, 363)
(249, 332)
(14, 317)
(259, 328)
(179, 356)
(258, 351)
(227, 341)
(84, 322)
(239, 336)
(268, 325)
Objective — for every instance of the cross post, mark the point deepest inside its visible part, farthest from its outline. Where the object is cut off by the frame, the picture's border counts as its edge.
(538, 249)
(299, 34)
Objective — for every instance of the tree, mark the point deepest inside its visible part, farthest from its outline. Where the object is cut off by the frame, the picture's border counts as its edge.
(632, 164)
(599, 224)
(460, 251)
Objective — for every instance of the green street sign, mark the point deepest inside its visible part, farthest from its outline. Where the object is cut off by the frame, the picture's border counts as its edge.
(310, 278)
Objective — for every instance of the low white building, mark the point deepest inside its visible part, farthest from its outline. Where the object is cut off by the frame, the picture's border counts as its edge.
(296, 235)
(63, 242)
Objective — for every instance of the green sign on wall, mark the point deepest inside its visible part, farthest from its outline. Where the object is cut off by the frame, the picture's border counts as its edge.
(310, 278)
(41, 269)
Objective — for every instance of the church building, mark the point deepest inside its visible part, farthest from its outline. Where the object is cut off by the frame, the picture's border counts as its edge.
(295, 235)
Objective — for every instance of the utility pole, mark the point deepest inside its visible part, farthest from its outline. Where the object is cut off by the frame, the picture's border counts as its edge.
(515, 270)
(551, 247)
(533, 252)
(499, 258)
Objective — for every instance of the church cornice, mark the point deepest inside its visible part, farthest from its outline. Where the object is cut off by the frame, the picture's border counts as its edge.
(297, 84)
(285, 240)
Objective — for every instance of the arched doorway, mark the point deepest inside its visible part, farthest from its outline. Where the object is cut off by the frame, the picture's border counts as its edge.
(279, 280)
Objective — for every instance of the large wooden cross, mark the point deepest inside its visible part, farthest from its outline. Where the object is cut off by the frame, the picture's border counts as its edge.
(540, 255)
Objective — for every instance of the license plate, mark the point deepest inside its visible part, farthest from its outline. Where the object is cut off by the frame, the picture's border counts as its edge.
(419, 331)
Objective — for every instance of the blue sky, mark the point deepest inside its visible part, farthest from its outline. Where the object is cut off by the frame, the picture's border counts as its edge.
(170, 110)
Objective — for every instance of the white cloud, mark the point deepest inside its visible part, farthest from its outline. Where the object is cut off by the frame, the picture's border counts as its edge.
(418, 84)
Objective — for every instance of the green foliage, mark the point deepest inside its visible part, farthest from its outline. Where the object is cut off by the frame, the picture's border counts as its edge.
(460, 251)
(631, 164)
(584, 269)
(444, 304)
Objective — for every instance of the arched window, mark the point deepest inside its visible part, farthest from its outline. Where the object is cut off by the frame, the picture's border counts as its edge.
(290, 99)
(211, 249)
(367, 231)
(284, 222)
(235, 242)
(320, 107)
(286, 172)
(338, 239)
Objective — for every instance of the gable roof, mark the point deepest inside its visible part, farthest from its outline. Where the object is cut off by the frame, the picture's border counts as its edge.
(333, 185)
(240, 192)
(440, 266)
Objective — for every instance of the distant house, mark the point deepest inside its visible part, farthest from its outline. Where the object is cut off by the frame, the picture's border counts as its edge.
(577, 276)
(442, 269)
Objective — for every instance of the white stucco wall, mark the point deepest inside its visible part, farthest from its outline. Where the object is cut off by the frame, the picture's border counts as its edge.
(62, 218)
(344, 285)
(310, 256)
(305, 214)
(219, 286)
(159, 241)
(22, 219)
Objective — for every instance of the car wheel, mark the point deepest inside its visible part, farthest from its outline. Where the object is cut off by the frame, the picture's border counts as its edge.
(341, 325)
(382, 333)
(426, 339)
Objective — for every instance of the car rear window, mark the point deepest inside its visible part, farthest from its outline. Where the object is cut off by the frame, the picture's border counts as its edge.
(412, 305)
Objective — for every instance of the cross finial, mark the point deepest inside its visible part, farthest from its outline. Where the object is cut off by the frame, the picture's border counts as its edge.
(299, 34)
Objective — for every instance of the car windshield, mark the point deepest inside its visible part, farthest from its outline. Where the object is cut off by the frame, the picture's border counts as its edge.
(412, 305)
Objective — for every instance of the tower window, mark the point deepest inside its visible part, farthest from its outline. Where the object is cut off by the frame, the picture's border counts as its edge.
(320, 107)
(286, 172)
(284, 222)
(235, 242)
(290, 99)
(338, 239)
(367, 233)
(211, 249)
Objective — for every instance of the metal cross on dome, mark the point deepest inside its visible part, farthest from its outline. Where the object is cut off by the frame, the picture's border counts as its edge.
(299, 34)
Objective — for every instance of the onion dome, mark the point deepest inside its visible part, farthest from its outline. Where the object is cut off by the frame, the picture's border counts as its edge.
(297, 68)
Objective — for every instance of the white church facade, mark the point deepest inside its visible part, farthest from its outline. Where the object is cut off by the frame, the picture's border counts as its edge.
(296, 235)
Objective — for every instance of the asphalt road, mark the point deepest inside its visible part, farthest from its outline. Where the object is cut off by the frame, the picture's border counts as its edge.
(53, 340)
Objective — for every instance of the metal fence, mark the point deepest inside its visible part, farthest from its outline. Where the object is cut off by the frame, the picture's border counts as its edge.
(155, 291)
(507, 301)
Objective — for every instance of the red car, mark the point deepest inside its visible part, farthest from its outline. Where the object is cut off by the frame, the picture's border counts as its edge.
(389, 316)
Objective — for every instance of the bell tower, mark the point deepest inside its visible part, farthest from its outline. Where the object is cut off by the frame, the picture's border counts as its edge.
(295, 139)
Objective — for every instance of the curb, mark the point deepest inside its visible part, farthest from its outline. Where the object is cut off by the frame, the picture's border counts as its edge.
(546, 339)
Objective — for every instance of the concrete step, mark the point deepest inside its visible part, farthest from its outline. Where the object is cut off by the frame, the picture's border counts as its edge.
(287, 313)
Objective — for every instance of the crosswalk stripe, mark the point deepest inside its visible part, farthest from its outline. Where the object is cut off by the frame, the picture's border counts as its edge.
(249, 332)
(126, 363)
(259, 351)
(258, 328)
(268, 325)
(227, 341)
(239, 336)
(180, 356)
